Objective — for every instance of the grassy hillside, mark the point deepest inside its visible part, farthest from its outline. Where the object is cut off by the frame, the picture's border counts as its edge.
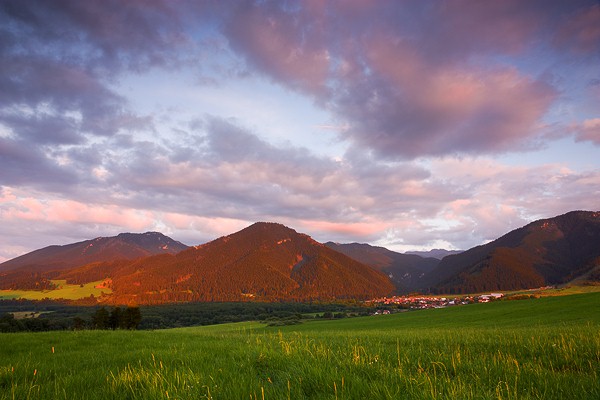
(63, 291)
(532, 349)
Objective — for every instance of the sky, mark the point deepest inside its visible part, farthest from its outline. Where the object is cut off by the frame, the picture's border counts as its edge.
(406, 124)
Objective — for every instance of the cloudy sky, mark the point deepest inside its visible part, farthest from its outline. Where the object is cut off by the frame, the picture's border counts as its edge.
(406, 124)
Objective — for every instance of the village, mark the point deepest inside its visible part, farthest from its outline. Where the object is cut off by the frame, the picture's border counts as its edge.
(425, 302)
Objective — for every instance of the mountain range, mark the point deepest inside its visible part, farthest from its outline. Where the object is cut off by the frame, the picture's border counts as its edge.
(271, 262)
(435, 253)
(406, 271)
(266, 261)
(122, 246)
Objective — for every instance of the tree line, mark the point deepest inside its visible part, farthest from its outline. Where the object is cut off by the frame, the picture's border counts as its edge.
(115, 318)
(56, 316)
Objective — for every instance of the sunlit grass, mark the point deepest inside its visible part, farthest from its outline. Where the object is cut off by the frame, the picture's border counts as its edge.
(64, 291)
(435, 354)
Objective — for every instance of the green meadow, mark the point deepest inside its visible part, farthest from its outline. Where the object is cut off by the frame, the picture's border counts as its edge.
(64, 291)
(547, 348)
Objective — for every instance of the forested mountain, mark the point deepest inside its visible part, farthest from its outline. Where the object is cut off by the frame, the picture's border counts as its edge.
(271, 262)
(435, 253)
(545, 252)
(405, 270)
(265, 261)
(124, 246)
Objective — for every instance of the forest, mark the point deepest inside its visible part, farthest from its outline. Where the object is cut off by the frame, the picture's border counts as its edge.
(48, 315)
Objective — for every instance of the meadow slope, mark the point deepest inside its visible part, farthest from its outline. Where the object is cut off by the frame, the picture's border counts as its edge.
(546, 348)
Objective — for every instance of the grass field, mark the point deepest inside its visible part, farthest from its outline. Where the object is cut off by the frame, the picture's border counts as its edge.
(562, 290)
(64, 291)
(546, 348)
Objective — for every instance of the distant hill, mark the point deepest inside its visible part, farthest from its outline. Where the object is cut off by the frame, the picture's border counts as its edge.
(405, 270)
(435, 253)
(545, 252)
(124, 246)
(265, 261)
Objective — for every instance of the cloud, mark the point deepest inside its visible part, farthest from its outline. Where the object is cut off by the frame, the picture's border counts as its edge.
(256, 180)
(33, 216)
(580, 31)
(458, 203)
(429, 85)
(421, 95)
(55, 97)
(104, 36)
(23, 164)
(243, 173)
(284, 44)
(588, 130)
(408, 108)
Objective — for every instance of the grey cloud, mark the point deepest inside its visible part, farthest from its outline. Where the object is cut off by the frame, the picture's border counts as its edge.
(104, 36)
(229, 171)
(23, 164)
(56, 60)
(43, 129)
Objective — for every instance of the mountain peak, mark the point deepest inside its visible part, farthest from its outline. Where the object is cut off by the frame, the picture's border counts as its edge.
(266, 261)
(268, 226)
(100, 249)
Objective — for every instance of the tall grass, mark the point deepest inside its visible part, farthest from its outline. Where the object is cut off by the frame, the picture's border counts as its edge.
(512, 350)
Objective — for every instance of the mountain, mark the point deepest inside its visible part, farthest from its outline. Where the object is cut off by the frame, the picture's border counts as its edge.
(265, 261)
(435, 253)
(271, 262)
(545, 252)
(123, 246)
(405, 270)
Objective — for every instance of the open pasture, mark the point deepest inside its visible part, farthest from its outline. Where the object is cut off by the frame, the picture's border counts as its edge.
(546, 348)
(64, 291)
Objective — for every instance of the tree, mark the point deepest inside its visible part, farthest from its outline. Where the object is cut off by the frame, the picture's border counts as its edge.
(115, 320)
(131, 318)
(78, 323)
(100, 319)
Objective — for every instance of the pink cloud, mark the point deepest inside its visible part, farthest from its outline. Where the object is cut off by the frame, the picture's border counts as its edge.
(412, 108)
(424, 78)
(502, 197)
(212, 227)
(367, 229)
(588, 130)
(275, 41)
(71, 211)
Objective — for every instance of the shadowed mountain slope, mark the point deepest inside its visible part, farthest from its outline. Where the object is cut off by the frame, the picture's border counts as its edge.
(435, 253)
(545, 252)
(405, 270)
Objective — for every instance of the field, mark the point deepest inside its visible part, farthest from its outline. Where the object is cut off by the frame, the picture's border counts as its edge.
(65, 291)
(547, 348)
